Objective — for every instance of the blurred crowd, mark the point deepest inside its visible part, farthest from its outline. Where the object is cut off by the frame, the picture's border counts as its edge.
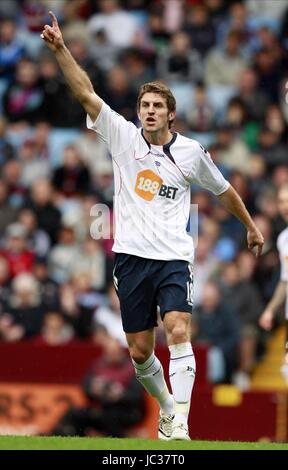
(227, 64)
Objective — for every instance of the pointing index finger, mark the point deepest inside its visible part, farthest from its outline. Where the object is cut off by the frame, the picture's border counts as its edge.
(53, 18)
(259, 251)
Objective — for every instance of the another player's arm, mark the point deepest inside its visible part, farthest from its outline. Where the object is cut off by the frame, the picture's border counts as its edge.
(234, 204)
(266, 319)
(75, 76)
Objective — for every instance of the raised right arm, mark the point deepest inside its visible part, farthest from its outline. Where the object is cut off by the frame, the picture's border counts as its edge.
(75, 76)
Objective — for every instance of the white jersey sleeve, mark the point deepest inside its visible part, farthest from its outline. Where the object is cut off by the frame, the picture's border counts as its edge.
(284, 269)
(113, 129)
(282, 245)
(205, 173)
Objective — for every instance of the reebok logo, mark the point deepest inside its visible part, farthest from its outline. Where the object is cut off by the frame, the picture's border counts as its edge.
(157, 154)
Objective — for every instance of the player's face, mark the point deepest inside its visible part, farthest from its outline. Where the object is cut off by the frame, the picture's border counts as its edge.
(283, 203)
(153, 112)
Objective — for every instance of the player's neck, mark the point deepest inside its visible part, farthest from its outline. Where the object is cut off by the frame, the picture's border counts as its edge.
(159, 137)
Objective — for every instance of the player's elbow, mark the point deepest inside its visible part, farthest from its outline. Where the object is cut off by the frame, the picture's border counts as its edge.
(83, 96)
(91, 103)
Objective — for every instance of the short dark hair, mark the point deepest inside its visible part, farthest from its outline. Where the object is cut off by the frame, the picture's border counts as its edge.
(161, 89)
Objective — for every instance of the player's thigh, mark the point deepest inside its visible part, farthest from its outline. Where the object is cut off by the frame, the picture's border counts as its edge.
(175, 289)
(136, 293)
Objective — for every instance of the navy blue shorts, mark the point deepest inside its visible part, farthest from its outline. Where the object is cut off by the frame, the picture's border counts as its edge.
(143, 284)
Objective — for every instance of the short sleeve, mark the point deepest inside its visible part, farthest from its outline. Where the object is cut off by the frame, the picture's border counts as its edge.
(205, 173)
(284, 270)
(283, 254)
(113, 129)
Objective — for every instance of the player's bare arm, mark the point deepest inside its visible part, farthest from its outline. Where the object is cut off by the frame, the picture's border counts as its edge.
(234, 204)
(266, 319)
(75, 76)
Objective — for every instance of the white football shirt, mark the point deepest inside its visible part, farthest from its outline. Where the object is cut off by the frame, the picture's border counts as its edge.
(282, 245)
(152, 188)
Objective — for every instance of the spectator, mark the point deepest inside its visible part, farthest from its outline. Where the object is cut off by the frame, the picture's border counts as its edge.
(34, 14)
(255, 100)
(8, 213)
(266, 270)
(78, 302)
(5, 287)
(269, 145)
(94, 154)
(159, 36)
(206, 266)
(268, 70)
(11, 174)
(11, 50)
(23, 100)
(112, 390)
(216, 324)
(223, 245)
(85, 300)
(201, 115)
(9, 332)
(73, 177)
(200, 29)
(109, 317)
(232, 151)
(223, 67)
(55, 331)
(111, 20)
(257, 175)
(237, 20)
(138, 66)
(20, 259)
(9, 8)
(93, 261)
(24, 306)
(236, 114)
(180, 62)
(55, 93)
(6, 149)
(101, 51)
(41, 139)
(274, 121)
(119, 94)
(37, 239)
(32, 167)
(245, 298)
(79, 50)
(49, 289)
(63, 255)
(41, 202)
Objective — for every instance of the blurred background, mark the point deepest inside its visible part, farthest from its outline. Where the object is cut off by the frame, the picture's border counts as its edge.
(63, 366)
